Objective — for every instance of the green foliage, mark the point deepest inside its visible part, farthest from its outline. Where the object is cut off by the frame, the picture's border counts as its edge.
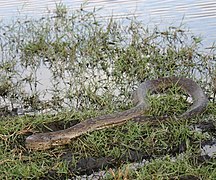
(85, 59)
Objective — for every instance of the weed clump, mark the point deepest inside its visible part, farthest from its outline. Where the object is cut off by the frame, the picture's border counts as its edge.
(76, 60)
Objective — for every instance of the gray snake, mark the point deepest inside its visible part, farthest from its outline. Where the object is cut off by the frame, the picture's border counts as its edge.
(42, 141)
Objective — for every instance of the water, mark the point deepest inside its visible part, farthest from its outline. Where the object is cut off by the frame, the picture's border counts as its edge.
(198, 15)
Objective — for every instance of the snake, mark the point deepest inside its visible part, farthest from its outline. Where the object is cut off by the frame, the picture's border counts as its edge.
(43, 141)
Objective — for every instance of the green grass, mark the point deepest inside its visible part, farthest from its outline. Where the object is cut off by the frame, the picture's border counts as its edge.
(166, 168)
(161, 141)
(94, 67)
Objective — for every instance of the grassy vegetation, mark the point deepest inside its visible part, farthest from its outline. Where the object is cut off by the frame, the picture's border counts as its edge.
(93, 67)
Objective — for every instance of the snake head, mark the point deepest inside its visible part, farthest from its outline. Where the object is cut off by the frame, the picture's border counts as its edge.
(38, 142)
(43, 141)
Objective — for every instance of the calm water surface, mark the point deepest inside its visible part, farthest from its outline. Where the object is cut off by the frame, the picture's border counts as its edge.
(198, 15)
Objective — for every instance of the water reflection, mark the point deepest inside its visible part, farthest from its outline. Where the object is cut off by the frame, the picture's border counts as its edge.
(199, 15)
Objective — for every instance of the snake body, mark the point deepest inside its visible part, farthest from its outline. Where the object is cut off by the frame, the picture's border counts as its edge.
(42, 141)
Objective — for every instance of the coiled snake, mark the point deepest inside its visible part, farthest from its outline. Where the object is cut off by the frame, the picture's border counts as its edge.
(42, 141)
